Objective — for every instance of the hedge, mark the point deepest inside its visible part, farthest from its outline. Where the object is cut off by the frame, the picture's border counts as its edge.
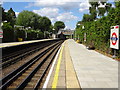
(98, 32)
(34, 34)
(8, 33)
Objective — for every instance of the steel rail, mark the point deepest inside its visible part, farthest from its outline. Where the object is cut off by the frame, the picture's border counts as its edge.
(44, 72)
(6, 81)
(14, 54)
(17, 58)
(29, 77)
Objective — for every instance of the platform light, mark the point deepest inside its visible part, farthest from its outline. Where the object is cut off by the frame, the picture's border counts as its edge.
(83, 27)
(78, 24)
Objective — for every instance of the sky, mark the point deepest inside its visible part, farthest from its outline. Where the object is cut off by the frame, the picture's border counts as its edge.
(68, 11)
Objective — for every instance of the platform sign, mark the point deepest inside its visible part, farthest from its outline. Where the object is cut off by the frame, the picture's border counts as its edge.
(84, 37)
(1, 34)
(114, 37)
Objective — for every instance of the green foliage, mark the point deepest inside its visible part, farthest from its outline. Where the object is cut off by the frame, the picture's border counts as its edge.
(96, 10)
(45, 24)
(20, 34)
(98, 32)
(8, 32)
(29, 19)
(93, 12)
(10, 16)
(88, 17)
(101, 11)
(0, 13)
(35, 21)
(40, 35)
(59, 25)
(27, 34)
(4, 14)
(34, 34)
(24, 18)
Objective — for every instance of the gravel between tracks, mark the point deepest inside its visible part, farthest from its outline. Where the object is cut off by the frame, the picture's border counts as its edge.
(14, 66)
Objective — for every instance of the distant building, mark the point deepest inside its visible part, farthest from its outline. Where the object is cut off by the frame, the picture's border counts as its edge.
(67, 33)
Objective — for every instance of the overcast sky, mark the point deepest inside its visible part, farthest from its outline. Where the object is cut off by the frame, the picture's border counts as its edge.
(68, 11)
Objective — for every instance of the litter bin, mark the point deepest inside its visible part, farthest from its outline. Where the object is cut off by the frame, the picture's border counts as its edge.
(20, 39)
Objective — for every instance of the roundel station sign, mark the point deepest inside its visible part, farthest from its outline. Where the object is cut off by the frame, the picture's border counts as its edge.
(114, 37)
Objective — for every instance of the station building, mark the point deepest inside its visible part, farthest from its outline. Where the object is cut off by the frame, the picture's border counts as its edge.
(65, 33)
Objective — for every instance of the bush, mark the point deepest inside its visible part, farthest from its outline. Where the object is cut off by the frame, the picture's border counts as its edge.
(20, 34)
(34, 34)
(40, 35)
(8, 32)
(98, 32)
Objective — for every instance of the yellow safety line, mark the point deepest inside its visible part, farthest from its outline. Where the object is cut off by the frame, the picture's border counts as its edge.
(27, 42)
(54, 83)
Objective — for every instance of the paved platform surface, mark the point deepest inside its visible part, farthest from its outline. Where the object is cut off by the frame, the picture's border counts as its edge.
(93, 69)
(78, 67)
(63, 75)
(2, 45)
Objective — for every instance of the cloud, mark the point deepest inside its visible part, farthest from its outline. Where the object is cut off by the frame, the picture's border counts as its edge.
(113, 5)
(68, 27)
(1, 2)
(51, 12)
(54, 15)
(66, 17)
(84, 6)
(16, 13)
(64, 4)
(6, 10)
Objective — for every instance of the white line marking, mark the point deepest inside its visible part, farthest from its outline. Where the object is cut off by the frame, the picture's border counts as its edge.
(50, 72)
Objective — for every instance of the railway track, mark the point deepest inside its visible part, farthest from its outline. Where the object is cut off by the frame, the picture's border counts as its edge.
(32, 72)
(12, 58)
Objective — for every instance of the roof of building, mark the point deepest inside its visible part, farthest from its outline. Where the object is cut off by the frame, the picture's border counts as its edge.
(66, 32)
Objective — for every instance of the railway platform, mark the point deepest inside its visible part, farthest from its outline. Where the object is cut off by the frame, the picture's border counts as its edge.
(12, 44)
(77, 67)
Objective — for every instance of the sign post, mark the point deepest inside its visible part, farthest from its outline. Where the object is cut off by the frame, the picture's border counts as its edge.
(1, 34)
(114, 38)
(84, 37)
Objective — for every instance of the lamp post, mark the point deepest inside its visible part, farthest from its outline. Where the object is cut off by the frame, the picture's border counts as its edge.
(53, 33)
(75, 32)
(83, 27)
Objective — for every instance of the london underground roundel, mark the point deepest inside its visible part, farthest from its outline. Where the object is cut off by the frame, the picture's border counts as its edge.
(114, 38)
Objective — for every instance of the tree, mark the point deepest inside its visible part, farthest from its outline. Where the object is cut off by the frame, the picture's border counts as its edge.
(11, 17)
(78, 24)
(98, 32)
(51, 28)
(101, 11)
(93, 12)
(4, 14)
(0, 14)
(28, 19)
(96, 8)
(8, 32)
(108, 6)
(87, 17)
(59, 25)
(45, 24)
(24, 18)
(34, 22)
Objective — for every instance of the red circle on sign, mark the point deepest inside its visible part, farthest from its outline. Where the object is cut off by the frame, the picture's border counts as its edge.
(114, 43)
